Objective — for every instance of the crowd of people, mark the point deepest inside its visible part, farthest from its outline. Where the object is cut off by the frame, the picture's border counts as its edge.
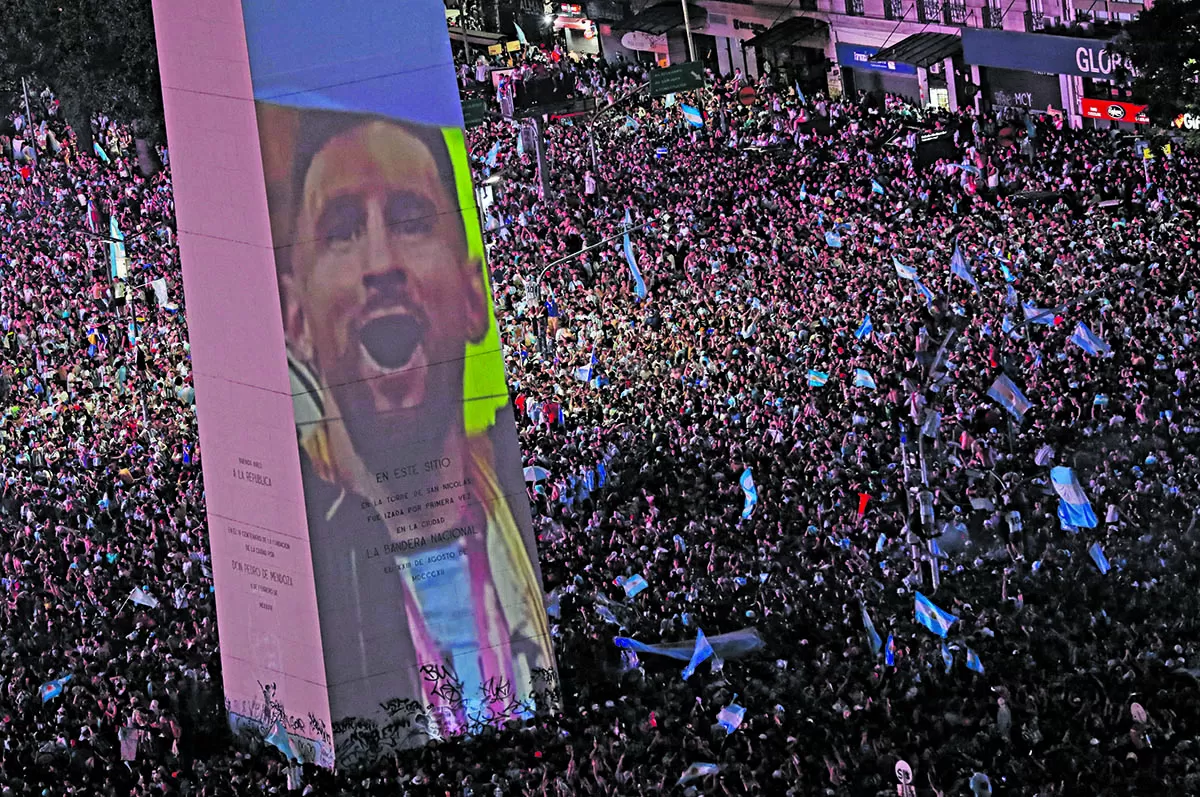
(800, 320)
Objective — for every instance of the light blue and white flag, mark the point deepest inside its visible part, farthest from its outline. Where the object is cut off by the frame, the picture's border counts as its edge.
(730, 718)
(731, 645)
(633, 585)
(872, 634)
(932, 617)
(751, 492)
(863, 378)
(865, 328)
(279, 739)
(904, 272)
(932, 424)
(702, 652)
(1010, 296)
(803, 191)
(947, 657)
(639, 285)
(52, 689)
(521, 35)
(669, 100)
(584, 373)
(1038, 315)
(696, 771)
(632, 123)
(799, 93)
(1074, 509)
(961, 269)
(817, 378)
(833, 239)
(973, 662)
(1089, 341)
(876, 188)
(692, 115)
(100, 153)
(889, 653)
(492, 154)
(520, 145)
(1099, 558)
(1006, 392)
(1008, 277)
(928, 294)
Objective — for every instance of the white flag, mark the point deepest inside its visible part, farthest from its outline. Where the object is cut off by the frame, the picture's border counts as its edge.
(160, 291)
(143, 598)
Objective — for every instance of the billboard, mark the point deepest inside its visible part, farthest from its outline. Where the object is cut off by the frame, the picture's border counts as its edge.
(1040, 52)
(412, 571)
(858, 56)
(1114, 111)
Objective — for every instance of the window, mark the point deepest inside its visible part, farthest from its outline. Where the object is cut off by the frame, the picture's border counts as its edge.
(956, 12)
(893, 9)
(993, 16)
(855, 8)
(929, 10)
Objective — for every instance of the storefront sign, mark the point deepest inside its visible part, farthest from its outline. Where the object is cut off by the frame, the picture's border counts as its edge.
(1040, 52)
(1187, 121)
(1011, 88)
(858, 56)
(1113, 111)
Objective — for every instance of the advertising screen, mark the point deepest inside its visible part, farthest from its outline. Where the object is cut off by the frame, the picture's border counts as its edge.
(424, 561)
(375, 571)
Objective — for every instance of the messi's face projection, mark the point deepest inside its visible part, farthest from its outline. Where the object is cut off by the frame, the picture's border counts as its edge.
(383, 296)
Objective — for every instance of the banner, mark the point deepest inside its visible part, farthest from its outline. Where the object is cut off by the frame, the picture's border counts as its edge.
(1114, 111)
(372, 549)
(1039, 52)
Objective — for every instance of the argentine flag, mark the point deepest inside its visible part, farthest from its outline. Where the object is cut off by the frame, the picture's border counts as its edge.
(1089, 341)
(692, 115)
(863, 378)
(639, 285)
(928, 294)
(889, 653)
(1038, 315)
(730, 718)
(697, 770)
(633, 585)
(904, 272)
(751, 491)
(702, 652)
(932, 617)
(279, 739)
(490, 158)
(973, 662)
(803, 191)
(52, 689)
(1005, 391)
(865, 328)
(584, 372)
(960, 269)
(872, 634)
(817, 378)
(1099, 558)
(833, 239)
(1073, 506)
(876, 188)
(947, 657)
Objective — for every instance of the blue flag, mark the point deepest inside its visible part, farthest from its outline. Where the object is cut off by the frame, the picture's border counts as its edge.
(1006, 392)
(639, 285)
(279, 739)
(932, 617)
(799, 93)
(1038, 315)
(889, 656)
(863, 378)
(973, 662)
(947, 657)
(817, 378)
(1008, 277)
(1074, 509)
(833, 239)
(928, 294)
(52, 689)
(1010, 298)
(751, 491)
(490, 159)
(872, 634)
(865, 328)
(632, 123)
(702, 652)
(730, 718)
(803, 191)
(521, 35)
(1099, 558)
(100, 153)
(960, 268)
(876, 188)
(904, 272)
(692, 115)
(1089, 341)
(633, 585)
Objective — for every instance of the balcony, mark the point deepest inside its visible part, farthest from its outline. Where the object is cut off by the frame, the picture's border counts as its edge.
(1034, 21)
(993, 17)
(893, 9)
(955, 12)
(856, 8)
(929, 11)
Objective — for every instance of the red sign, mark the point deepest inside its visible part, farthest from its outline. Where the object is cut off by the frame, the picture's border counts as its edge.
(1114, 111)
(746, 95)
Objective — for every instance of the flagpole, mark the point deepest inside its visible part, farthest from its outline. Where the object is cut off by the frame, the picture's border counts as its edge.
(599, 243)
(687, 27)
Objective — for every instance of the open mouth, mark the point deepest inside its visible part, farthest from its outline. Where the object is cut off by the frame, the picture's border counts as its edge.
(391, 340)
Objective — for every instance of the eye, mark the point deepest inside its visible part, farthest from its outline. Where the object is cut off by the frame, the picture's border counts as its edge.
(341, 221)
(410, 214)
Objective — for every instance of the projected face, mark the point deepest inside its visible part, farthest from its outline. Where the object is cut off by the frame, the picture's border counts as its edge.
(383, 297)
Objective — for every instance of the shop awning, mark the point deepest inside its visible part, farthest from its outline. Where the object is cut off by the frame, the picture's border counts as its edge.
(662, 18)
(921, 49)
(479, 38)
(788, 32)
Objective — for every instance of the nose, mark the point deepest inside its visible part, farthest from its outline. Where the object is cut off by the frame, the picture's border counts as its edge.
(384, 273)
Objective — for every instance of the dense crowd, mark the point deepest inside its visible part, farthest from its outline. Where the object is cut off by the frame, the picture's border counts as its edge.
(773, 235)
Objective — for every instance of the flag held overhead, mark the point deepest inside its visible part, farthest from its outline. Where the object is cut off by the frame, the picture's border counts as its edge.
(933, 618)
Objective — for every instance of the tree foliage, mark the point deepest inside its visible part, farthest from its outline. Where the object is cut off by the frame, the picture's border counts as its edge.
(96, 55)
(1162, 48)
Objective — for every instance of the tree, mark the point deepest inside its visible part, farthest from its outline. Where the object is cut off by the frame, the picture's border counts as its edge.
(96, 55)
(1162, 50)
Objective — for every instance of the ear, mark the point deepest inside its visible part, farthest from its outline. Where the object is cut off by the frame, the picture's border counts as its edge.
(476, 298)
(295, 322)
